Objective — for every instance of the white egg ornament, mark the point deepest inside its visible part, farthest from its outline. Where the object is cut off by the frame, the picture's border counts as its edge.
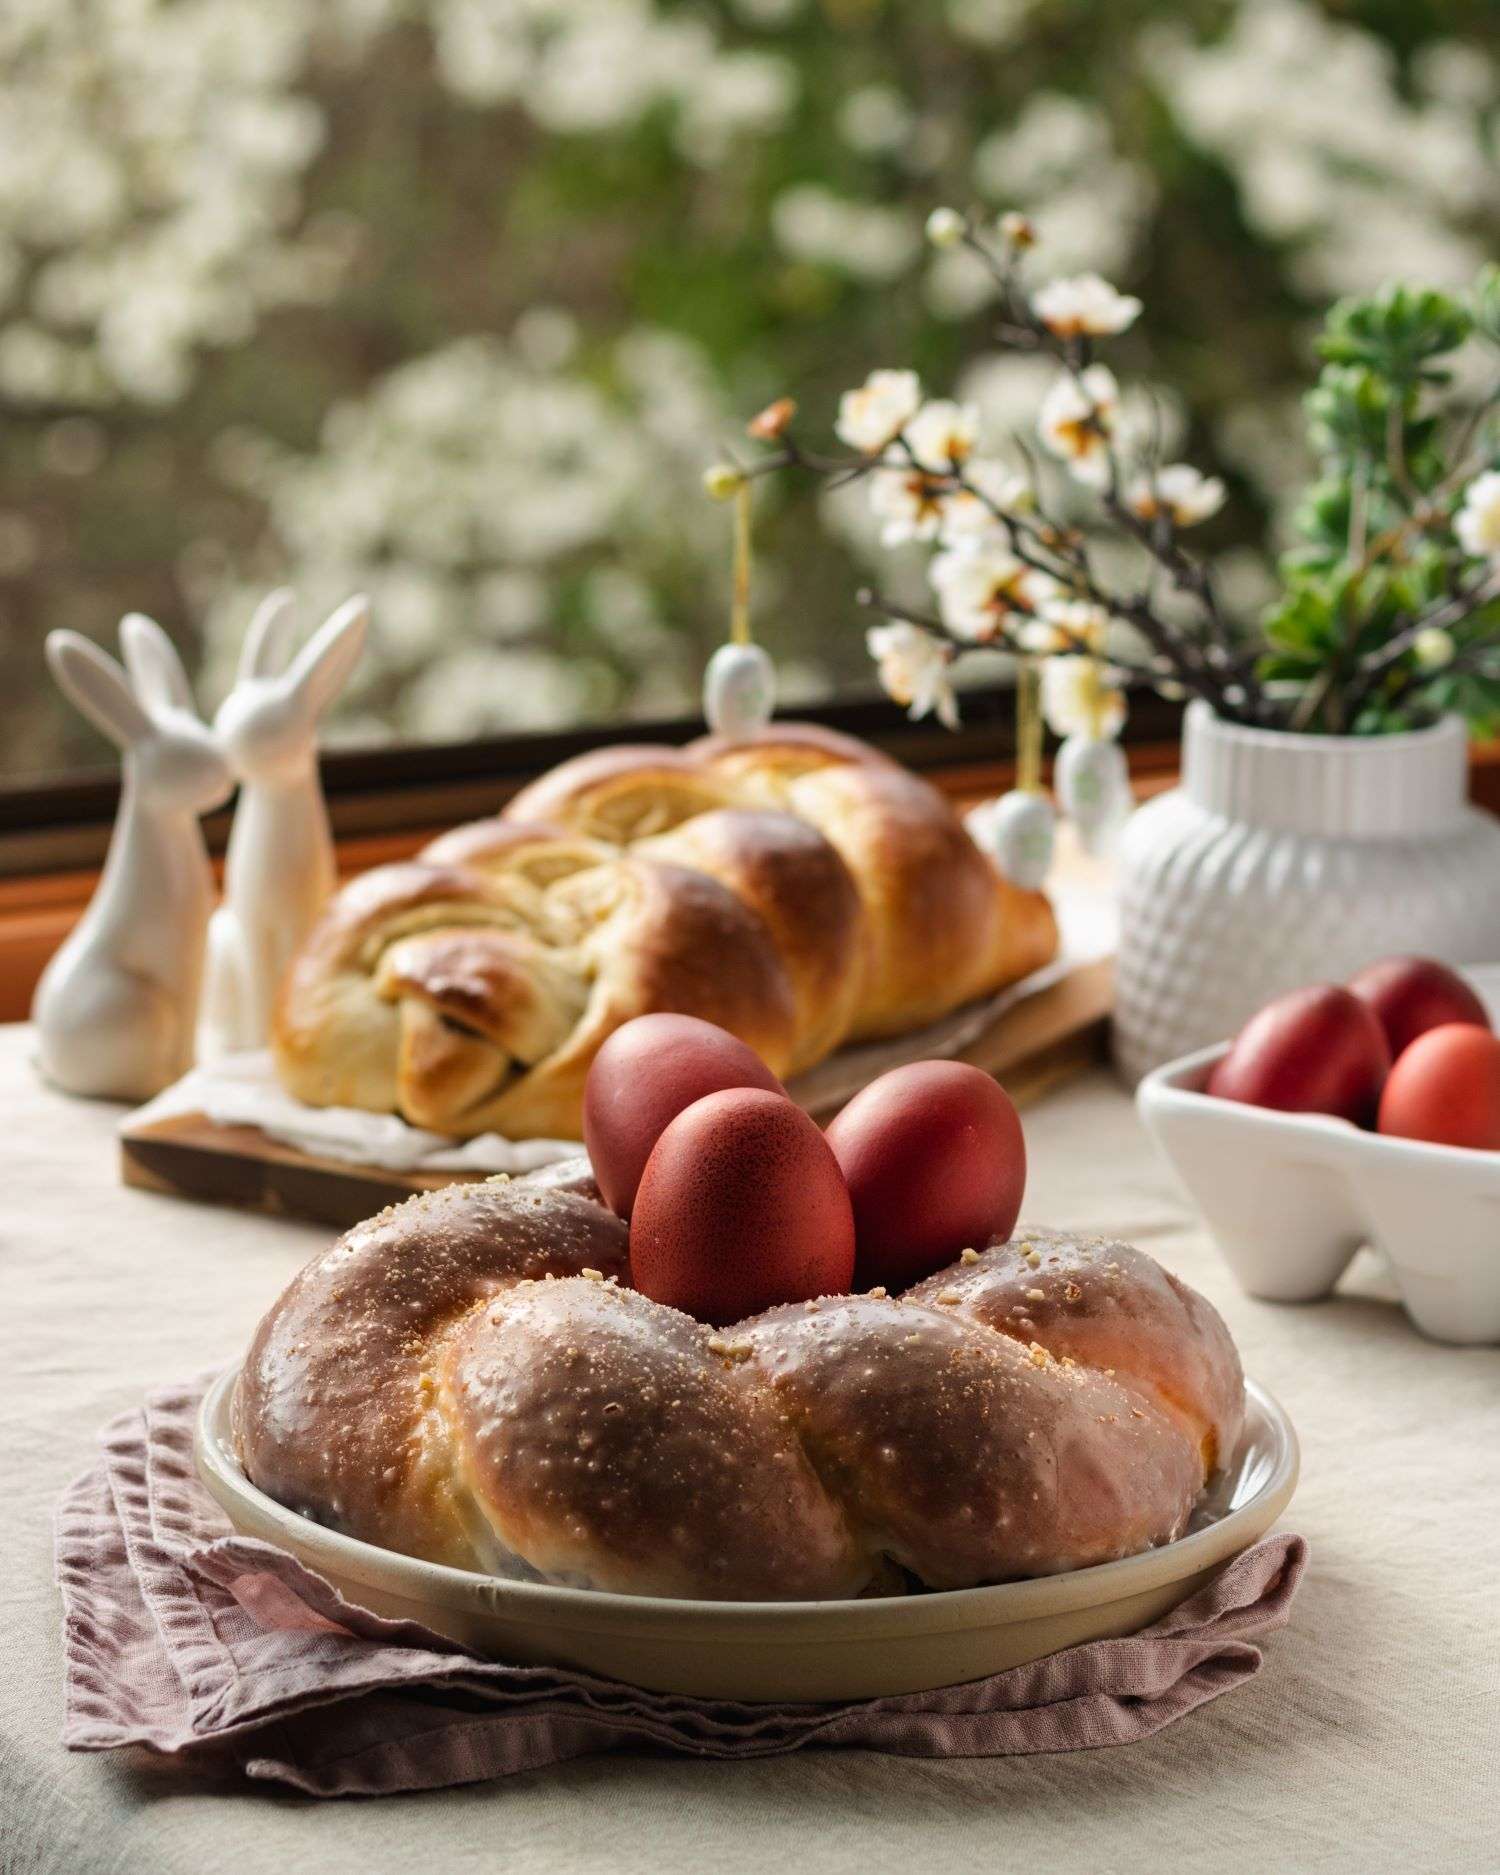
(1092, 779)
(1017, 831)
(739, 690)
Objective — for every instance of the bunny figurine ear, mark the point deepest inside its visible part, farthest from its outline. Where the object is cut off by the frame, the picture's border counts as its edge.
(154, 666)
(92, 681)
(326, 661)
(268, 641)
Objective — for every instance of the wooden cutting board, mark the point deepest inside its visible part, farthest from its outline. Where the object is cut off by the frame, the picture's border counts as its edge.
(1033, 1046)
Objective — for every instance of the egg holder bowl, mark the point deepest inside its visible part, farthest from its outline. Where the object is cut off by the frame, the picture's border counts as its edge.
(1290, 1197)
(833, 1650)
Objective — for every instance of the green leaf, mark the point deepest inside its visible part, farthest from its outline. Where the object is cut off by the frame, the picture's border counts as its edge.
(1397, 331)
(1348, 411)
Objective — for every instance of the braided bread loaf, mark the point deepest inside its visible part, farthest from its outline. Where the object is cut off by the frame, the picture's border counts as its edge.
(797, 889)
(469, 1378)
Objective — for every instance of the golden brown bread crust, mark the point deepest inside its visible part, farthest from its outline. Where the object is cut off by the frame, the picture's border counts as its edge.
(446, 1381)
(797, 888)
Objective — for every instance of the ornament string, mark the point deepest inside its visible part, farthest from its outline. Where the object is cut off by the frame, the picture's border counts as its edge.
(739, 609)
(1028, 726)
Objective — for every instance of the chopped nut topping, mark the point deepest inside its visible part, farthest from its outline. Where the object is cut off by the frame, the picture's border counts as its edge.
(811, 1307)
(1072, 1292)
(425, 1383)
(1036, 1295)
(969, 1256)
(1032, 1258)
(948, 1296)
(1039, 1355)
(879, 1293)
(613, 1406)
(591, 1275)
(730, 1350)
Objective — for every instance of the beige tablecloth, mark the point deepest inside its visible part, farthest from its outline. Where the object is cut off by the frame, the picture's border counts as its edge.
(1371, 1740)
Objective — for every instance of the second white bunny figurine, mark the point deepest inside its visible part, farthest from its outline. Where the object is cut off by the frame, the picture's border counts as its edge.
(117, 1006)
(279, 868)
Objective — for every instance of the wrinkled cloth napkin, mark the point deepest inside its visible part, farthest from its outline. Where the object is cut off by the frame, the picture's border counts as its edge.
(185, 1637)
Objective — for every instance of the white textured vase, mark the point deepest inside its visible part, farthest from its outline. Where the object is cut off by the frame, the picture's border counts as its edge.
(1286, 859)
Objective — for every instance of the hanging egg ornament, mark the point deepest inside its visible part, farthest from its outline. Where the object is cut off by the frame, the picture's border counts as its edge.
(739, 690)
(1017, 832)
(1092, 779)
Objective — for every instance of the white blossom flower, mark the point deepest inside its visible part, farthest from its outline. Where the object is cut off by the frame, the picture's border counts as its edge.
(873, 416)
(1085, 306)
(1079, 700)
(870, 241)
(913, 667)
(908, 504)
(987, 592)
(1180, 492)
(876, 120)
(943, 433)
(1065, 625)
(969, 517)
(1077, 420)
(1477, 523)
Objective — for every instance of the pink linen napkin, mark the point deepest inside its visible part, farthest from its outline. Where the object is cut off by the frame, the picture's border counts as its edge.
(185, 1637)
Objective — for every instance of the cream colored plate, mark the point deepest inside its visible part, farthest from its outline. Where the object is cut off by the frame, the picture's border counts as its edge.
(779, 1650)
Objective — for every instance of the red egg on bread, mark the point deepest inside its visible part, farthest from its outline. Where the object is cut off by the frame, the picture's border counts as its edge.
(741, 1205)
(1315, 1050)
(1446, 1089)
(1410, 995)
(643, 1076)
(935, 1162)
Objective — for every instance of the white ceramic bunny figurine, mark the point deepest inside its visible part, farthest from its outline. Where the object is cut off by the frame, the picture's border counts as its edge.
(117, 1006)
(279, 869)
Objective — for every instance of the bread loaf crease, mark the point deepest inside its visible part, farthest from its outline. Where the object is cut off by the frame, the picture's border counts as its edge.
(470, 1378)
(796, 888)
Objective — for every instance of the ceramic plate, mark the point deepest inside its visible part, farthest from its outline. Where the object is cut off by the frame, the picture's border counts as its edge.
(779, 1650)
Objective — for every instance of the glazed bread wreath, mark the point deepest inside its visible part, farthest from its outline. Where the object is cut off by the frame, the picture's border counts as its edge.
(469, 1378)
(797, 889)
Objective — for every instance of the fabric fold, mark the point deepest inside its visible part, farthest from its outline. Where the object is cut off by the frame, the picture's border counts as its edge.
(185, 1637)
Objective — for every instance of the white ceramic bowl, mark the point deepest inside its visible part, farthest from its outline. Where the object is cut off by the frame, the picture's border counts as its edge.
(779, 1650)
(1290, 1197)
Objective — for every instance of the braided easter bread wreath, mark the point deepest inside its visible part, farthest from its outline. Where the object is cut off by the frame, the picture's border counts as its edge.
(470, 1378)
(795, 888)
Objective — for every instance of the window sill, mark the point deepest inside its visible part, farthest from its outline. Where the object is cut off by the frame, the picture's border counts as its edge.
(38, 908)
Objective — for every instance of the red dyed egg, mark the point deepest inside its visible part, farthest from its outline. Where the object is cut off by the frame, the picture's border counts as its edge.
(643, 1076)
(935, 1161)
(741, 1206)
(1410, 995)
(1446, 1088)
(1318, 1050)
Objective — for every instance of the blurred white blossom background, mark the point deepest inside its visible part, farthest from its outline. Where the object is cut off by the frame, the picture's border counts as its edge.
(453, 299)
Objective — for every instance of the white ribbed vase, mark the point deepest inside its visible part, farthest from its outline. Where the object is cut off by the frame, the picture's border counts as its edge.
(1285, 859)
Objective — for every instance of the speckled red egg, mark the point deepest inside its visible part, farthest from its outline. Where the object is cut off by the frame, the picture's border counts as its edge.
(1446, 1089)
(643, 1076)
(1318, 1050)
(1410, 995)
(741, 1206)
(935, 1161)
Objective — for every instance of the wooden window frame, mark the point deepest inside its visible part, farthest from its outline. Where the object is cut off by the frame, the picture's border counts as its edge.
(385, 803)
